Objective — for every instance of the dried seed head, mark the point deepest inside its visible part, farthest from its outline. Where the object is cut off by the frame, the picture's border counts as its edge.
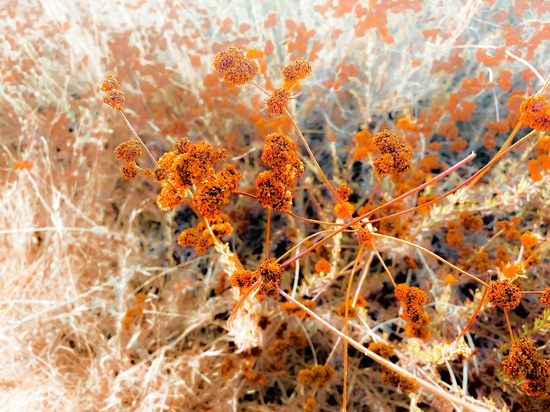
(382, 349)
(272, 192)
(279, 347)
(316, 375)
(395, 156)
(234, 66)
(243, 279)
(545, 297)
(276, 103)
(535, 112)
(310, 405)
(109, 84)
(128, 151)
(297, 339)
(115, 99)
(297, 70)
(504, 294)
(189, 237)
(343, 192)
(530, 239)
(470, 221)
(169, 197)
(129, 171)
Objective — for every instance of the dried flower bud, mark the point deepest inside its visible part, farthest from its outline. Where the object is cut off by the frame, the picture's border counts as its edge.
(234, 66)
(535, 112)
(129, 171)
(276, 103)
(297, 70)
(504, 294)
(115, 99)
(109, 84)
(128, 151)
(189, 237)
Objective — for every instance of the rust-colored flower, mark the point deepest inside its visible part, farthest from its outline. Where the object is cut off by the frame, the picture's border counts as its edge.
(129, 171)
(297, 70)
(128, 151)
(276, 103)
(189, 237)
(234, 66)
(535, 112)
(504, 294)
(395, 156)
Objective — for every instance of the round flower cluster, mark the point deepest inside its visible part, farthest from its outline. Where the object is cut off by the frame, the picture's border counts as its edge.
(114, 98)
(504, 294)
(270, 273)
(535, 112)
(412, 299)
(234, 66)
(128, 152)
(389, 376)
(395, 156)
(279, 152)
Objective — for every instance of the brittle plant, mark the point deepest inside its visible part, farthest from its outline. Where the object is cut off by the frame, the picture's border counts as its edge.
(307, 209)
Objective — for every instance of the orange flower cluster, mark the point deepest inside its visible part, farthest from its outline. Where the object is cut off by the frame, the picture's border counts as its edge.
(504, 294)
(316, 375)
(201, 237)
(292, 309)
(297, 70)
(191, 164)
(276, 103)
(234, 66)
(297, 339)
(343, 192)
(535, 112)
(279, 347)
(279, 152)
(395, 156)
(454, 237)
(545, 297)
(114, 98)
(270, 272)
(523, 364)
(412, 299)
(390, 377)
(470, 221)
(128, 152)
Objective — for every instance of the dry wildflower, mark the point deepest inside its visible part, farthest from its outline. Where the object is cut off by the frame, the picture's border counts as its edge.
(504, 294)
(234, 66)
(523, 355)
(189, 237)
(181, 146)
(169, 197)
(272, 192)
(128, 151)
(310, 405)
(129, 171)
(395, 156)
(292, 309)
(243, 279)
(364, 236)
(316, 375)
(264, 321)
(538, 380)
(205, 241)
(343, 211)
(115, 99)
(454, 236)
(279, 152)
(470, 221)
(297, 339)
(530, 239)
(382, 349)
(535, 112)
(109, 84)
(297, 70)
(482, 262)
(419, 329)
(343, 192)
(279, 347)
(322, 265)
(227, 366)
(545, 297)
(271, 273)
(276, 103)
(410, 296)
